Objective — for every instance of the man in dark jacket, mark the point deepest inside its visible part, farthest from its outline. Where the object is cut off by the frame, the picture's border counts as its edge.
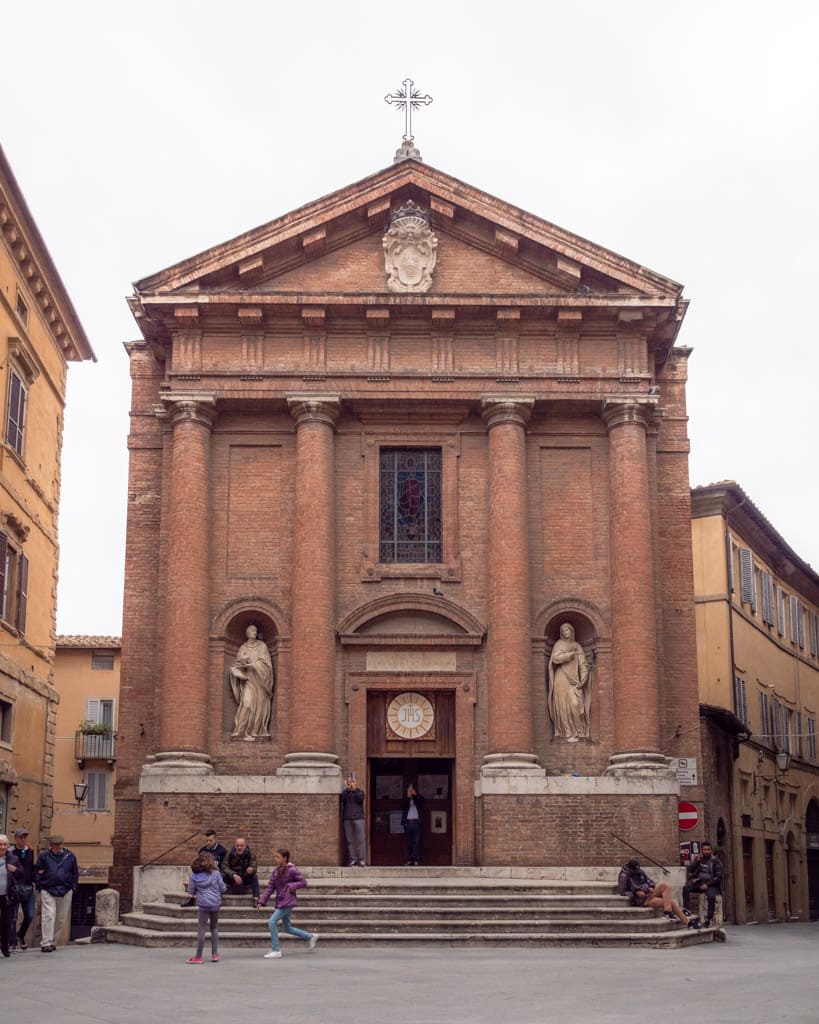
(217, 851)
(240, 869)
(352, 818)
(57, 877)
(21, 868)
(412, 818)
(705, 874)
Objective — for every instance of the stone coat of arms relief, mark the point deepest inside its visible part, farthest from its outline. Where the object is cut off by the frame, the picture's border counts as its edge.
(409, 250)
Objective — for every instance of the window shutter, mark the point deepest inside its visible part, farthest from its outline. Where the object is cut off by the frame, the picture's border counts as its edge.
(4, 550)
(794, 610)
(767, 598)
(800, 624)
(730, 566)
(92, 710)
(740, 701)
(780, 610)
(746, 577)
(800, 746)
(22, 594)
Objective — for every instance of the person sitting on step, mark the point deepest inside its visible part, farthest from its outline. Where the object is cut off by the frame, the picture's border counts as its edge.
(644, 892)
(705, 874)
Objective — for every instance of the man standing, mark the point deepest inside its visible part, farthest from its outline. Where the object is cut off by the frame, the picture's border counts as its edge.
(57, 877)
(21, 868)
(217, 851)
(412, 814)
(705, 874)
(240, 870)
(352, 817)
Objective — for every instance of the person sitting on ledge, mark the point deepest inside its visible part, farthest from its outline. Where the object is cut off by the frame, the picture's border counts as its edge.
(240, 869)
(635, 883)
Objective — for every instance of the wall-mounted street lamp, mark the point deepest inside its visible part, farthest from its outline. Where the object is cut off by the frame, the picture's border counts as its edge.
(783, 761)
(80, 791)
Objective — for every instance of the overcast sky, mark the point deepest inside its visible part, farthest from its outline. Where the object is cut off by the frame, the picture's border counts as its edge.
(680, 135)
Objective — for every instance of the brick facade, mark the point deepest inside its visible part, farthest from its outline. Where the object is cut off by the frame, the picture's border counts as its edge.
(273, 370)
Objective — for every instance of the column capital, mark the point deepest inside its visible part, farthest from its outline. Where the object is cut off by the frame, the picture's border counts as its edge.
(199, 406)
(620, 409)
(497, 409)
(314, 409)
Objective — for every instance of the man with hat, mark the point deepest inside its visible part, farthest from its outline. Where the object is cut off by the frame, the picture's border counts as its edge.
(57, 877)
(21, 869)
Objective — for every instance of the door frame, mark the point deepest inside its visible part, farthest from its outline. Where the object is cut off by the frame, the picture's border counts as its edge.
(463, 685)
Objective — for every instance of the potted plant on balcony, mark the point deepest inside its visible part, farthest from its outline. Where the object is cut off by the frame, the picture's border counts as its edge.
(95, 728)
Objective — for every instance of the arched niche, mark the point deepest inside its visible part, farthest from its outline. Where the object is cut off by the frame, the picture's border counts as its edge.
(232, 638)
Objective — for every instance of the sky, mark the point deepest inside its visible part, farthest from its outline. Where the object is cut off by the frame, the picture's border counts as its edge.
(682, 136)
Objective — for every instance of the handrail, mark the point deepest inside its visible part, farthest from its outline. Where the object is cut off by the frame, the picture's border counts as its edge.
(642, 853)
(181, 842)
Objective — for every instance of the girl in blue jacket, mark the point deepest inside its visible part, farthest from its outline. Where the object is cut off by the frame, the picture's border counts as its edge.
(206, 885)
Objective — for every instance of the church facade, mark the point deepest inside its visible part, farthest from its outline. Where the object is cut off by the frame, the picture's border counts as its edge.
(408, 500)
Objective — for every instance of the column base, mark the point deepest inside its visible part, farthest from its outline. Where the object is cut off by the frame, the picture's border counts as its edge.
(178, 762)
(515, 764)
(640, 763)
(310, 762)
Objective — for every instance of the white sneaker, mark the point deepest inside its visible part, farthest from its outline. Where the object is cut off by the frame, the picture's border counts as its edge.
(311, 942)
(274, 954)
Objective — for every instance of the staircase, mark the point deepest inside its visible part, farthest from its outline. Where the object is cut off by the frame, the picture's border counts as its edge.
(371, 906)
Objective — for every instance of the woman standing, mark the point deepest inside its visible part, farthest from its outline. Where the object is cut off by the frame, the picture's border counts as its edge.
(569, 696)
(284, 881)
(206, 885)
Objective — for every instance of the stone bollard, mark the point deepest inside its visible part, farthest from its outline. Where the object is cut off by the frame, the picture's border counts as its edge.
(106, 913)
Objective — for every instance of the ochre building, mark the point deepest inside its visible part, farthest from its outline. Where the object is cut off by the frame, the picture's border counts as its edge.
(410, 434)
(40, 334)
(758, 646)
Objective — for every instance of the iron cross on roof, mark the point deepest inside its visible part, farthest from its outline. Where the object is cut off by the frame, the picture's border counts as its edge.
(408, 99)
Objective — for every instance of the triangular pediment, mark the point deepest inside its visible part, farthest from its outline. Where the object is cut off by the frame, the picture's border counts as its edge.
(334, 246)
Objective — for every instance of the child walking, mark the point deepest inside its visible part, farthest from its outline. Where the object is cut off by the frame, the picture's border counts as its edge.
(284, 881)
(206, 885)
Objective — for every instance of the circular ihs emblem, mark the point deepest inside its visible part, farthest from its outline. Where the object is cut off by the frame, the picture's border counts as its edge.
(410, 715)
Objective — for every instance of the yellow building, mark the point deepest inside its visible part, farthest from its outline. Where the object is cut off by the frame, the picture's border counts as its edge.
(86, 676)
(757, 606)
(39, 334)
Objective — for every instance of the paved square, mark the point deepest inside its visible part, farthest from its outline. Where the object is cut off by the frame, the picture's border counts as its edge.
(765, 974)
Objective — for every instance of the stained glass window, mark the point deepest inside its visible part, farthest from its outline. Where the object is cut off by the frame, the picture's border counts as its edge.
(410, 508)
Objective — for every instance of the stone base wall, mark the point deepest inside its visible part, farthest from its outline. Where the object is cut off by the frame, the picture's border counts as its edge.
(563, 829)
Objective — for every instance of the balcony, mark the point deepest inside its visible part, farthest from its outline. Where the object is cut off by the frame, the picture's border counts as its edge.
(94, 746)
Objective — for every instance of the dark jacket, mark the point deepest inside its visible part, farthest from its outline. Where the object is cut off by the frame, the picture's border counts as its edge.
(711, 872)
(284, 882)
(630, 883)
(23, 862)
(238, 863)
(218, 853)
(352, 804)
(405, 806)
(57, 873)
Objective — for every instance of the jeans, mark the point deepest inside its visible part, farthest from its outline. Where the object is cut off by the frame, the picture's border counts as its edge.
(283, 914)
(711, 894)
(24, 898)
(356, 842)
(412, 833)
(55, 909)
(205, 919)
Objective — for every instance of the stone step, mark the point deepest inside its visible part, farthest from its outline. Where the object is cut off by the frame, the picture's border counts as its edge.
(492, 909)
(668, 939)
(427, 923)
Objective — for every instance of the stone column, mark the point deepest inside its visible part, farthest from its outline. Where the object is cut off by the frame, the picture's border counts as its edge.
(184, 702)
(313, 611)
(509, 640)
(634, 626)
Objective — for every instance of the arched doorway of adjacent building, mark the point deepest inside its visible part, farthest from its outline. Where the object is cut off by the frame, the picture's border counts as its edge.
(812, 837)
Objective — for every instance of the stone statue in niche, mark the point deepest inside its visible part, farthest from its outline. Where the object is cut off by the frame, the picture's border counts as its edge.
(410, 250)
(252, 682)
(569, 690)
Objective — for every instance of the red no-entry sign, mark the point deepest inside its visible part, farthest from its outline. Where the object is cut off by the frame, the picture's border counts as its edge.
(688, 814)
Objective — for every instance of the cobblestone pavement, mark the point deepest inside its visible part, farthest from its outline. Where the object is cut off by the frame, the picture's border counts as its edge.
(762, 974)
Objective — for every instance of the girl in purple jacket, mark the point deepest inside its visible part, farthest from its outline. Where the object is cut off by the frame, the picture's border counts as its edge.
(206, 885)
(284, 881)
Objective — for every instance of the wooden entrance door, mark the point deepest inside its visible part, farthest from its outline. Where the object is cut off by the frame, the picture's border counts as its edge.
(389, 778)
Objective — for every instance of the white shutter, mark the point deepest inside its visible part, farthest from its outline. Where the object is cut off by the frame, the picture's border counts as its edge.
(767, 598)
(746, 576)
(740, 700)
(794, 610)
(93, 710)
